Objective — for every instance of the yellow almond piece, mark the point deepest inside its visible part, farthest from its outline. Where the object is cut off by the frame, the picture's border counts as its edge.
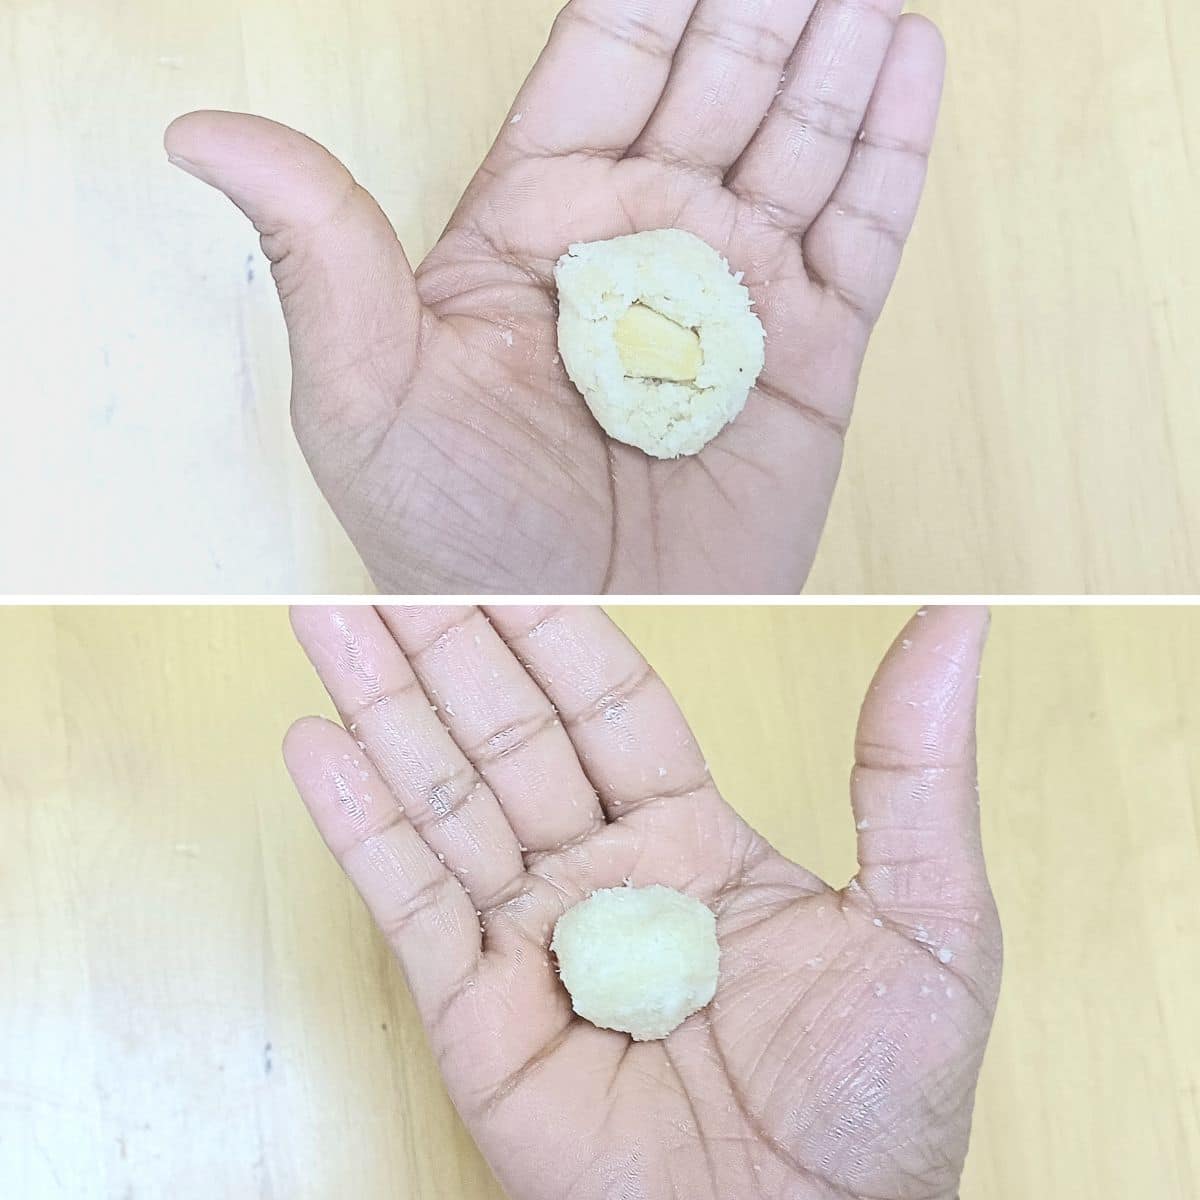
(655, 347)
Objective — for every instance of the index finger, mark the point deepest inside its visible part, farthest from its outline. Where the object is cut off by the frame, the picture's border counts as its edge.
(597, 82)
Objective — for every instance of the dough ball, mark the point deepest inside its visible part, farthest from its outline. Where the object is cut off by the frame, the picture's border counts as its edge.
(639, 960)
(659, 337)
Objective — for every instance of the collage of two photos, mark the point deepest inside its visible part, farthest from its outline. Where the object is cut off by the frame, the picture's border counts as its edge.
(599, 601)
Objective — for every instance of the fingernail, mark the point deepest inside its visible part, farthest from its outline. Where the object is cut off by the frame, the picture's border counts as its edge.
(184, 164)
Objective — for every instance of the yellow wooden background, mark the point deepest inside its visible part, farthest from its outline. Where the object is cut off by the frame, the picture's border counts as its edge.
(1029, 416)
(193, 1004)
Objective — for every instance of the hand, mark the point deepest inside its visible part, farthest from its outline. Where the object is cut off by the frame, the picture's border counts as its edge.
(434, 410)
(840, 1054)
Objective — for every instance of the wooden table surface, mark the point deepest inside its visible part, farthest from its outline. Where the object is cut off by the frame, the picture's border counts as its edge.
(194, 1004)
(1030, 412)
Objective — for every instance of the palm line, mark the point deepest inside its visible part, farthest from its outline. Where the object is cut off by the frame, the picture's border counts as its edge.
(760, 1131)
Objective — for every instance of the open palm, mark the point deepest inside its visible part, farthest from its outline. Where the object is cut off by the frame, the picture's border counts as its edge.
(791, 135)
(499, 768)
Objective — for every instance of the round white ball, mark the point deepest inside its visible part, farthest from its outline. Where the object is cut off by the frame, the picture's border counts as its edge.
(638, 960)
(684, 279)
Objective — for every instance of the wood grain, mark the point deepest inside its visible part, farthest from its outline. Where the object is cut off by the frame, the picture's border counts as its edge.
(1030, 412)
(194, 1004)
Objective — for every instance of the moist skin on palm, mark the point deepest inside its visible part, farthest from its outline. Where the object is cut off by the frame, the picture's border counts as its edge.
(638, 960)
(660, 338)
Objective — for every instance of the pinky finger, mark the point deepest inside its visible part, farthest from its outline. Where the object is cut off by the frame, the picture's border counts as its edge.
(855, 245)
(422, 910)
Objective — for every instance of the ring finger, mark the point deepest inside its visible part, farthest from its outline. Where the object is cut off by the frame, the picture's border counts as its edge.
(383, 705)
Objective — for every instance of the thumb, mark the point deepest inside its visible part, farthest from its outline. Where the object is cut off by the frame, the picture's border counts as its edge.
(914, 783)
(348, 293)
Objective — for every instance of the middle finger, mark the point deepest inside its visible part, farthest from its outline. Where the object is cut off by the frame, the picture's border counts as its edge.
(727, 71)
(502, 720)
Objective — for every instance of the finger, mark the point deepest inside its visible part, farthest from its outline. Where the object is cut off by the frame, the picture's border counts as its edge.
(628, 733)
(597, 81)
(914, 783)
(801, 150)
(384, 706)
(727, 73)
(348, 294)
(855, 245)
(502, 720)
(428, 919)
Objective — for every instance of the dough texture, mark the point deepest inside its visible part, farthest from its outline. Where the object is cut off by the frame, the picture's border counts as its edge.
(638, 960)
(643, 378)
